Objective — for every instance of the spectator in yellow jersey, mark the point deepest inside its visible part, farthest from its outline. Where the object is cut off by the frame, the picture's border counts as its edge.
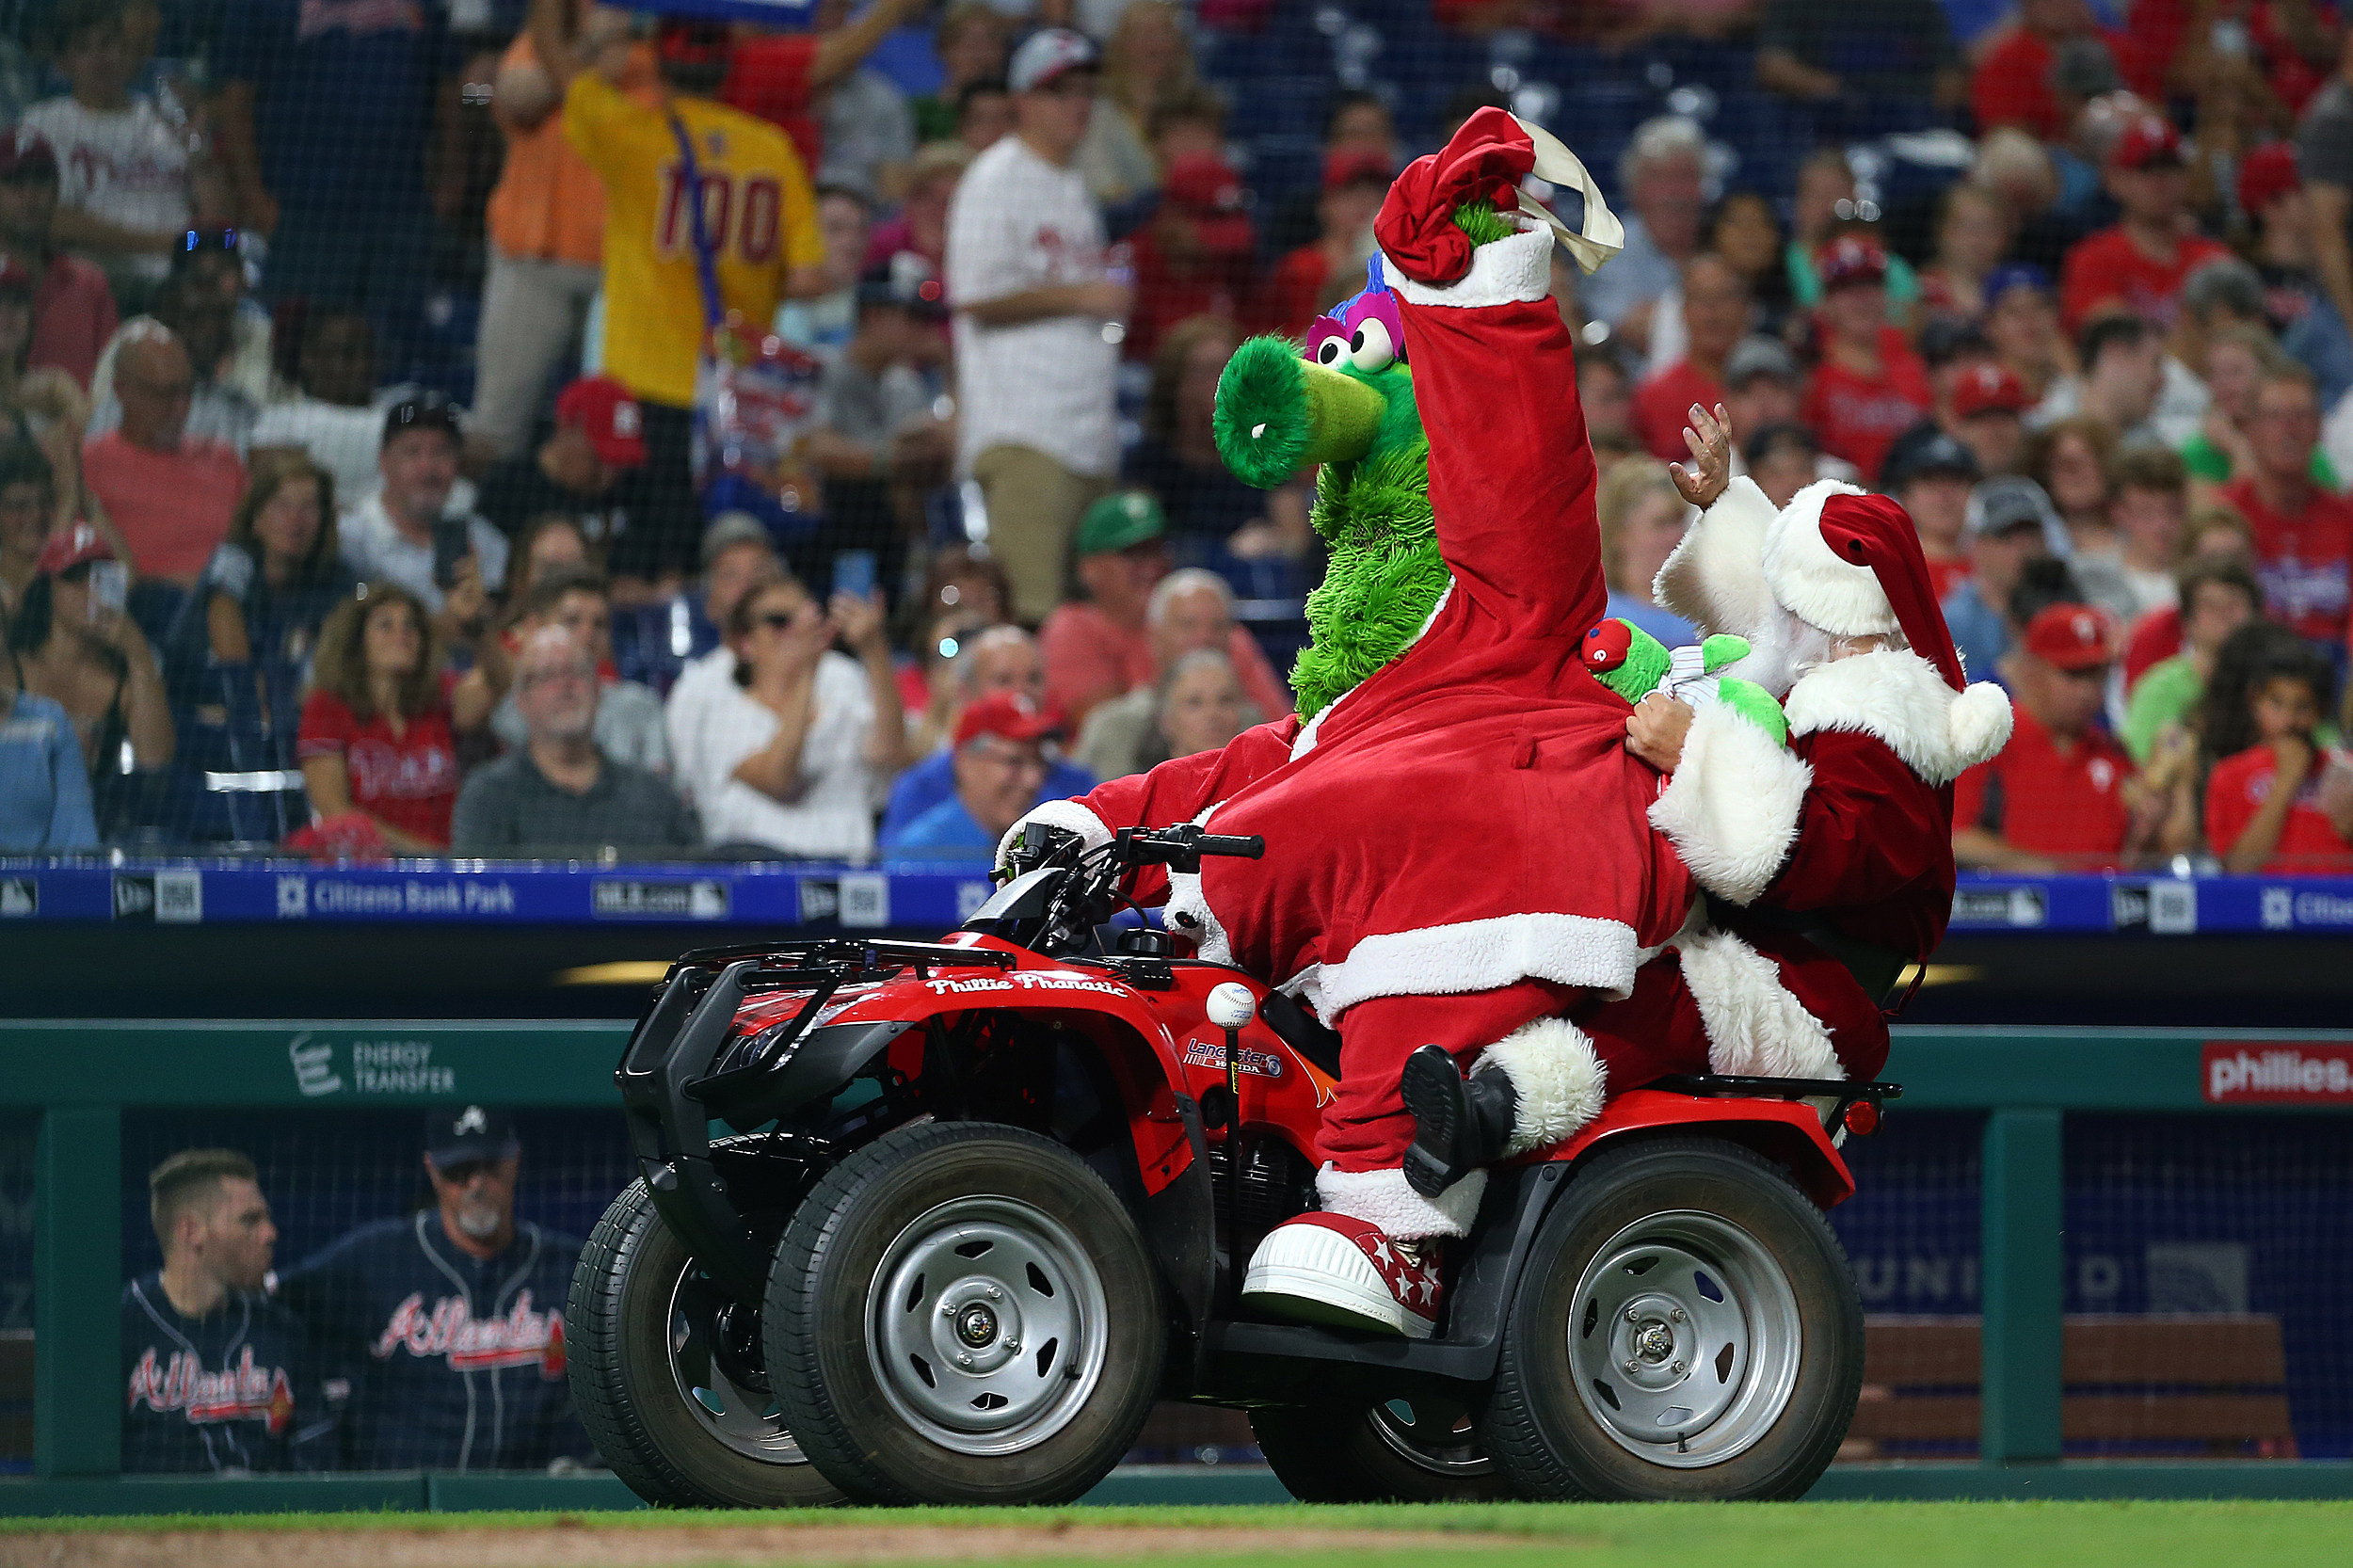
(759, 219)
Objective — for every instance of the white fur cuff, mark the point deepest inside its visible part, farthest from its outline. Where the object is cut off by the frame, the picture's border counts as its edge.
(1713, 579)
(1756, 1027)
(1386, 1199)
(1896, 697)
(1811, 581)
(1731, 808)
(1558, 1083)
(1068, 815)
(1502, 272)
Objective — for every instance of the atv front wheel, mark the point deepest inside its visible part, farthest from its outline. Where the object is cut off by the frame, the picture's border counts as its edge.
(1404, 1450)
(963, 1312)
(1684, 1328)
(666, 1374)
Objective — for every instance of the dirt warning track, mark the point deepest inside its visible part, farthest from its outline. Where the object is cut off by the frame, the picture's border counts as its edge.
(573, 1542)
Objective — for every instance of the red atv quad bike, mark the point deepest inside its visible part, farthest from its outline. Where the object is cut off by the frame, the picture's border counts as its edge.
(974, 1206)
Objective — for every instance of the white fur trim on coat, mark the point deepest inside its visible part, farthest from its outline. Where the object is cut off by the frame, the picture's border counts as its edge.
(1068, 815)
(1386, 1199)
(1810, 581)
(1898, 697)
(1558, 1082)
(1756, 1027)
(1713, 579)
(1731, 808)
(1481, 955)
(1507, 271)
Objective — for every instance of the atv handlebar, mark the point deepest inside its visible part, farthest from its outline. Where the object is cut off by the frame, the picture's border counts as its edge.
(1250, 848)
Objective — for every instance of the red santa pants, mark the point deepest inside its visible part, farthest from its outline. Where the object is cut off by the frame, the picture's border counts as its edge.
(1366, 1128)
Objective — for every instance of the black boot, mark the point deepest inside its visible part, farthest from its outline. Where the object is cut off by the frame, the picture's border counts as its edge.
(1460, 1123)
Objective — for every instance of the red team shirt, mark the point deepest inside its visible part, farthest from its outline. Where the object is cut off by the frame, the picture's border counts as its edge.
(409, 780)
(2108, 266)
(1859, 418)
(2308, 843)
(1662, 407)
(1946, 575)
(2304, 559)
(2051, 802)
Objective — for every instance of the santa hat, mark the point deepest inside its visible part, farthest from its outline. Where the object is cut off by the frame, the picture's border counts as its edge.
(1850, 564)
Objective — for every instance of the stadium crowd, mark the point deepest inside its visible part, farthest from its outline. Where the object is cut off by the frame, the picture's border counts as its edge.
(373, 477)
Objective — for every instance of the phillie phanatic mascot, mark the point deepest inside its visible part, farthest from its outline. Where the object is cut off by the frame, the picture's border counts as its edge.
(1457, 851)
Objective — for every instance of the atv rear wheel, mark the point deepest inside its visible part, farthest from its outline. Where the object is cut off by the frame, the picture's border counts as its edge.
(963, 1312)
(1686, 1328)
(666, 1374)
(1404, 1450)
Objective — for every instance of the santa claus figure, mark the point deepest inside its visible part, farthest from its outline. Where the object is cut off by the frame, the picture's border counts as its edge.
(1457, 850)
(1830, 860)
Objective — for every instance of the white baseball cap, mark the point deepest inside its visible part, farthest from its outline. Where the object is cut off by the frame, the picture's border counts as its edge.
(1046, 55)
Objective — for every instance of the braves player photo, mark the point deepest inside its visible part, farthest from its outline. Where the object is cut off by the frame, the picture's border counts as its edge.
(218, 1376)
(449, 1322)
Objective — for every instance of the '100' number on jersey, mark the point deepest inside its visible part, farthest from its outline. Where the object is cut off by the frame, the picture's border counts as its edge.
(740, 213)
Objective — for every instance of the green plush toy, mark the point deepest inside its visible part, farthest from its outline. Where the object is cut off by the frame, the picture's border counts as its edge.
(1633, 663)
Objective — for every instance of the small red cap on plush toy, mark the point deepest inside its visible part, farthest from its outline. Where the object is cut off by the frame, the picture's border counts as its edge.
(1488, 159)
(1607, 645)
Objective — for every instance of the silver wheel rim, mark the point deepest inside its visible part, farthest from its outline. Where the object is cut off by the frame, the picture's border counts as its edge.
(1684, 1339)
(1433, 1435)
(986, 1325)
(744, 1419)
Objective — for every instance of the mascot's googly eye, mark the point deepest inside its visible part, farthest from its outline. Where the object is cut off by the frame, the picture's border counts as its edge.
(1369, 348)
(1330, 350)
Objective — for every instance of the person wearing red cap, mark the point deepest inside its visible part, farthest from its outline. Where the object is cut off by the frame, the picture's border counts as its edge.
(2140, 263)
(1870, 387)
(1324, 271)
(1990, 406)
(1835, 851)
(1196, 255)
(999, 763)
(2062, 795)
(73, 310)
(579, 469)
(75, 646)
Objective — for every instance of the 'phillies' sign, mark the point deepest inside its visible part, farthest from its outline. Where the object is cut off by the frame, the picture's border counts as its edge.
(2277, 1072)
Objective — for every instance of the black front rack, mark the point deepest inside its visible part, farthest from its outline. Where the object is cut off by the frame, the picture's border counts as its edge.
(868, 959)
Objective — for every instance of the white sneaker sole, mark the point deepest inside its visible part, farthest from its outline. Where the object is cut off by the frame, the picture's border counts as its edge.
(1322, 1277)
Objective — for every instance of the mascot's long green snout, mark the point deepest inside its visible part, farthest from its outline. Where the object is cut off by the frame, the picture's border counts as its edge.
(1345, 402)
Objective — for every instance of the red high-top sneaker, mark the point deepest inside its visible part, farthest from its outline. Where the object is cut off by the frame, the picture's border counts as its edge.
(1330, 1268)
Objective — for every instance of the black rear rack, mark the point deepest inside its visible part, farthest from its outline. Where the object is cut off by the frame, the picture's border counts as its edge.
(1843, 1094)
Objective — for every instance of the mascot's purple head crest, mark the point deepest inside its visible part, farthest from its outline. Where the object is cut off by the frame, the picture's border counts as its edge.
(1364, 331)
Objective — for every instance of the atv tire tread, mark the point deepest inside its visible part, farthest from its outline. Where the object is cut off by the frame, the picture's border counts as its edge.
(814, 1231)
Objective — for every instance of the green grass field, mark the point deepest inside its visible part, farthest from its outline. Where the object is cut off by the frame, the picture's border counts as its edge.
(1799, 1535)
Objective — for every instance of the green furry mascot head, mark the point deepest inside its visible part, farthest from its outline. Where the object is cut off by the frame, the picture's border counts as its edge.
(1347, 402)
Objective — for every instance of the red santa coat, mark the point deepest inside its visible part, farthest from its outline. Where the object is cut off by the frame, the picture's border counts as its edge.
(1466, 820)
(1850, 824)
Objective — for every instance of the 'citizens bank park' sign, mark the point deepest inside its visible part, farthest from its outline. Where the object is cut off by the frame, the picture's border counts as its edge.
(2277, 1072)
